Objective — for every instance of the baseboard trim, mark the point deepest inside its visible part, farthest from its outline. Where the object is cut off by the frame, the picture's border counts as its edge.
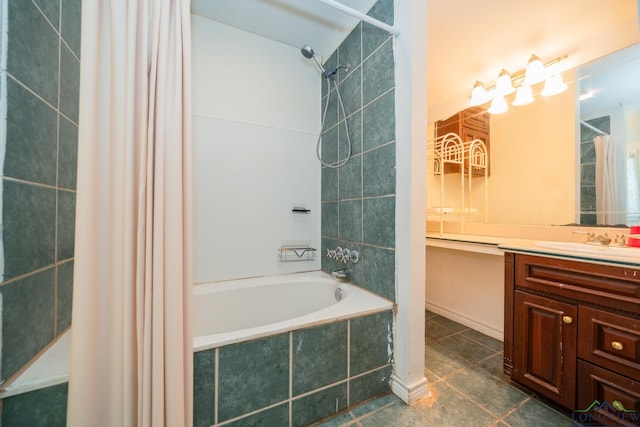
(487, 330)
(409, 393)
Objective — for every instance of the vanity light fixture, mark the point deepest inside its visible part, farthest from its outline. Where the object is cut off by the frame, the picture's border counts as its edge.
(498, 105)
(524, 96)
(554, 85)
(503, 84)
(479, 95)
(535, 72)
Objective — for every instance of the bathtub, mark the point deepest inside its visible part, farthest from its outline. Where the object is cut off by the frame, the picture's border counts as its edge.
(241, 310)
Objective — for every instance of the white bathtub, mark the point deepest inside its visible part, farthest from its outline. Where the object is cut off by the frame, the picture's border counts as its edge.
(240, 310)
(234, 311)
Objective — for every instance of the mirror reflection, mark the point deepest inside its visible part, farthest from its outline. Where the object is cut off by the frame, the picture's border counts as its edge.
(571, 158)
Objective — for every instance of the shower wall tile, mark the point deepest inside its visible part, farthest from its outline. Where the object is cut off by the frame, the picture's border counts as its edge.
(377, 75)
(587, 199)
(379, 271)
(588, 174)
(67, 153)
(43, 407)
(354, 123)
(350, 92)
(42, 75)
(351, 220)
(31, 137)
(29, 221)
(276, 416)
(27, 311)
(378, 221)
(32, 50)
(252, 375)
(364, 215)
(332, 111)
(329, 220)
(313, 365)
(351, 179)
(329, 184)
(329, 148)
(318, 405)
(587, 152)
(373, 37)
(204, 368)
(350, 51)
(71, 18)
(369, 385)
(69, 83)
(379, 121)
(371, 342)
(64, 297)
(51, 10)
(66, 224)
(379, 171)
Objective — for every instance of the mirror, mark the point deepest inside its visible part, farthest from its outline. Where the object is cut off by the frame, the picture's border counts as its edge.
(544, 166)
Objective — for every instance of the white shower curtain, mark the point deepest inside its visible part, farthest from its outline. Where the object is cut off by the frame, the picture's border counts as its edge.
(131, 353)
(606, 199)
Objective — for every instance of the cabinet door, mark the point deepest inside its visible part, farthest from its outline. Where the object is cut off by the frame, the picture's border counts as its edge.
(617, 398)
(544, 341)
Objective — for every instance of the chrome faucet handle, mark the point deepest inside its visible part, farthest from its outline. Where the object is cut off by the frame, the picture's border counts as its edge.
(619, 240)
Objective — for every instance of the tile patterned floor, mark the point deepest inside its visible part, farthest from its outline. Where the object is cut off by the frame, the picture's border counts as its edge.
(468, 388)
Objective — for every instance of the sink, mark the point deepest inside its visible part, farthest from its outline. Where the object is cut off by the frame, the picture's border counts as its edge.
(617, 251)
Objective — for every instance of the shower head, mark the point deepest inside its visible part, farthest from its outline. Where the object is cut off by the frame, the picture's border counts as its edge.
(307, 52)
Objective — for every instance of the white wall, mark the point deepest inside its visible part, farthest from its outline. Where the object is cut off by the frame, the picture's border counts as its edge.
(467, 287)
(256, 117)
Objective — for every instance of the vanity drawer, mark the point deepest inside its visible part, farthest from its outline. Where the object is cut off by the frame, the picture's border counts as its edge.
(618, 396)
(609, 340)
(610, 286)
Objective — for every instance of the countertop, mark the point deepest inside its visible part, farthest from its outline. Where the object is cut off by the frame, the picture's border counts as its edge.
(495, 245)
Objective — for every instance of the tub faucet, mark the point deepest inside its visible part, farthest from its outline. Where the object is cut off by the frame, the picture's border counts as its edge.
(341, 274)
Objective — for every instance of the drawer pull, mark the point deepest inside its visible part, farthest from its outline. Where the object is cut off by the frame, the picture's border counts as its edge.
(567, 319)
(616, 345)
(618, 405)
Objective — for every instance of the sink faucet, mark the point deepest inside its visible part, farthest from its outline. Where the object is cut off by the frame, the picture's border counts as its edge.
(599, 239)
(341, 274)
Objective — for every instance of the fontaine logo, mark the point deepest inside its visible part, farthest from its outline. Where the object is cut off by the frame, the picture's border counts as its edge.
(598, 414)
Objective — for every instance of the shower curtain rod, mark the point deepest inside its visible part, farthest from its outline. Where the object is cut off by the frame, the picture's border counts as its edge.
(593, 128)
(366, 18)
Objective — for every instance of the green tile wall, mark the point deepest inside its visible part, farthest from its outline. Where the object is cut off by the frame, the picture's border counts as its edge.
(38, 181)
(306, 374)
(358, 199)
(588, 169)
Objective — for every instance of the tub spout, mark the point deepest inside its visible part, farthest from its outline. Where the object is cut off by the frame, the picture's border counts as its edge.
(341, 274)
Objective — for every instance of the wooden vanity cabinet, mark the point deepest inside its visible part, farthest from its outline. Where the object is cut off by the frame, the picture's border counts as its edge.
(469, 124)
(572, 330)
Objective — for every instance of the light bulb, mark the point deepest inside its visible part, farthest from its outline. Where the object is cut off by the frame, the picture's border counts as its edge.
(554, 85)
(535, 71)
(498, 105)
(479, 95)
(503, 84)
(523, 96)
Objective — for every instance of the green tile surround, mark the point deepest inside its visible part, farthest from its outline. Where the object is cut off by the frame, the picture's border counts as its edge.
(358, 199)
(38, 194)
(307, 373)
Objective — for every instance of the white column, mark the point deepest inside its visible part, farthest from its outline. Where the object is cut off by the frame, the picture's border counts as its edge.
(408, 381)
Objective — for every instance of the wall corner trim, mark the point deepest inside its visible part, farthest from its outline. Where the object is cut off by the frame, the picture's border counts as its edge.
(409, 394)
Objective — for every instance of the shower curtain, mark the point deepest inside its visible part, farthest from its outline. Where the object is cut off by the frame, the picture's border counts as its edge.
(606, 200)
(131, 352)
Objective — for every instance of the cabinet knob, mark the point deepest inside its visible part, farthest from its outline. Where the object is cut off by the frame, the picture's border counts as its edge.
(617, 345)
(567, 319)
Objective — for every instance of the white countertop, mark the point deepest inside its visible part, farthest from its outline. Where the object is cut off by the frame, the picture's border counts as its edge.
(495, 245)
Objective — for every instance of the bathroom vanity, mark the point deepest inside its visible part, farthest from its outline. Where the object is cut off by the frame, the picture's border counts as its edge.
(572, 328)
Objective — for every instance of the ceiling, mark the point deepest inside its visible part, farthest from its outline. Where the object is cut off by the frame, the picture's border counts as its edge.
(292, 22)
(467, 40)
